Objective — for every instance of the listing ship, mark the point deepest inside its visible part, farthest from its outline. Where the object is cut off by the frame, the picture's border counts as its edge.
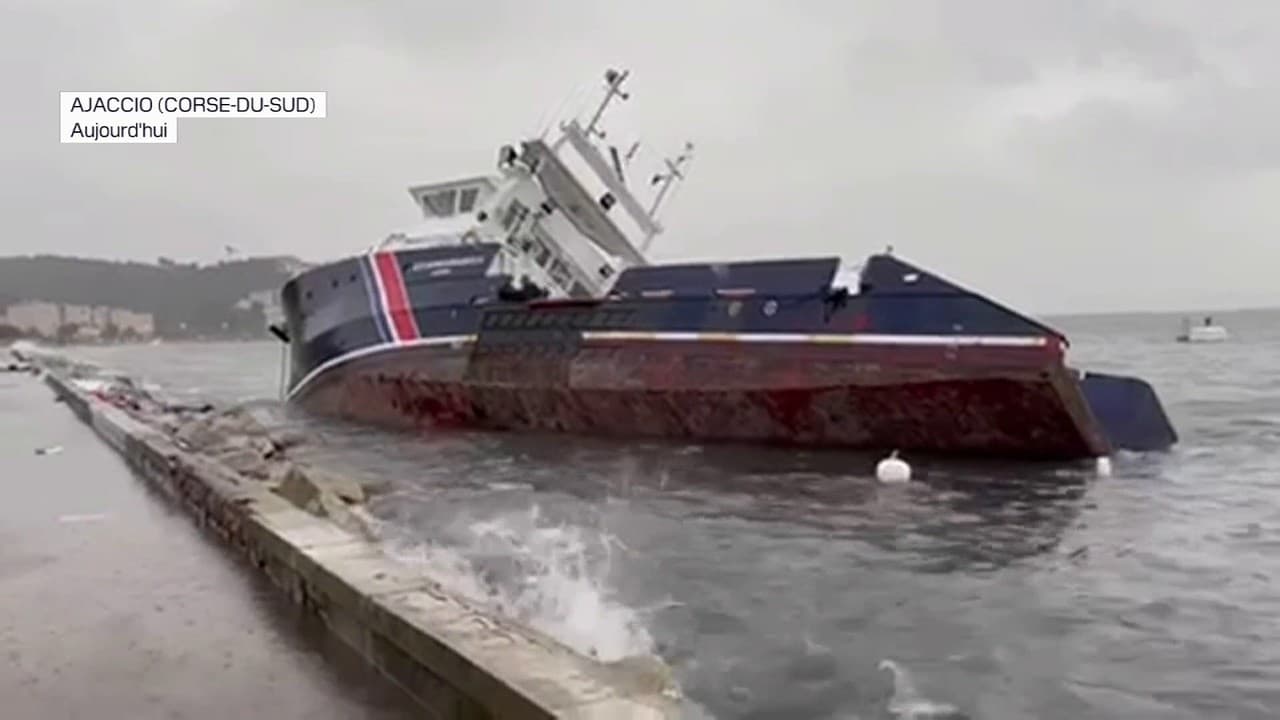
(525, 302)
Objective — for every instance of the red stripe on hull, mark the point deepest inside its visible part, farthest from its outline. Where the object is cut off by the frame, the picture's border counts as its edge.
(404, 325)
(1016, 402)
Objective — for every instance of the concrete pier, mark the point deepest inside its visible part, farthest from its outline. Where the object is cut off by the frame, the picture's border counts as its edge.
(454, 659)
(114, 605)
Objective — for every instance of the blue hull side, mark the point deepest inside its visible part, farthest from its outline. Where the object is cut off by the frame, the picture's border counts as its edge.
(417, 297)
(1129, 412)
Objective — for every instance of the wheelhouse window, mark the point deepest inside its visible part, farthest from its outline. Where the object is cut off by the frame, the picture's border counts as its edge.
(560, 273)
(441, 203)
(467, 200)
(543, 253)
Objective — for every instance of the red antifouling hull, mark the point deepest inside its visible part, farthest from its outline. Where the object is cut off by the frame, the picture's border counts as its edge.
(973, 400)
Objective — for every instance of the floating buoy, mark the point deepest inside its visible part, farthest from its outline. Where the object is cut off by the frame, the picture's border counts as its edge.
(893, 470)
(1103, 466)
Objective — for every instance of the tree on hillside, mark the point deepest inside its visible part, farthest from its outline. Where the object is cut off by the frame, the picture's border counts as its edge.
(110, 332)
(67, 332)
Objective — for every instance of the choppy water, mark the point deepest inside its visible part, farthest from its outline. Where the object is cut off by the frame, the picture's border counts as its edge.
(779, 583)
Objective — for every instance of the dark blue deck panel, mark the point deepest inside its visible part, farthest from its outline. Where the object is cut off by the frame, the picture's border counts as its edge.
(905, 298)
(450, 291)
(767, 277)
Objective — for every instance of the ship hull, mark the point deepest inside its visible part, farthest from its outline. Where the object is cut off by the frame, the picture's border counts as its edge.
(1010, 401)
(908, 363)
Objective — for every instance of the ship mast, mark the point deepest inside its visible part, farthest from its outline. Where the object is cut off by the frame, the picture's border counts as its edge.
(668, 178)
(614, 79)
(611, 174)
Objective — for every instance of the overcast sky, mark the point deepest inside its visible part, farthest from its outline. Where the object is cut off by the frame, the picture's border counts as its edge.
(1062, 155)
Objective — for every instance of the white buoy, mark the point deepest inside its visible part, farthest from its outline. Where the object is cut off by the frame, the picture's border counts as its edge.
(1103, 466)
(893, 470)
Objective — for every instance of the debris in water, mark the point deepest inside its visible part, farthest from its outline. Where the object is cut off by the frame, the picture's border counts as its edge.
(51, 450)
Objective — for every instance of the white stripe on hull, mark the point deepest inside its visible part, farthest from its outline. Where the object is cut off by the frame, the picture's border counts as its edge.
(828, 339)
(1010, 341)
(456, 340)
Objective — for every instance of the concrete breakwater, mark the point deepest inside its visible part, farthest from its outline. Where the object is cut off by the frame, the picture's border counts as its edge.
(308, 531)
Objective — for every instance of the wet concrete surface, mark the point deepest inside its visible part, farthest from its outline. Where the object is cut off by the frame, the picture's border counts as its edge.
(113, 604)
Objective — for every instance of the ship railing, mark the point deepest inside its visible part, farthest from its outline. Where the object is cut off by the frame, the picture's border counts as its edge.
(419, 241)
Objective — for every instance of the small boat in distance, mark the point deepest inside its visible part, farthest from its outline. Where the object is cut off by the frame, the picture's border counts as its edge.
(1206, 332)
(524, 301)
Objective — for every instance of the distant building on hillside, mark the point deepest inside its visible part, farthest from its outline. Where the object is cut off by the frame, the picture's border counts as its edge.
(48, 320)
(35, 317)
(269, 300)
(78, 315)
(125, 321)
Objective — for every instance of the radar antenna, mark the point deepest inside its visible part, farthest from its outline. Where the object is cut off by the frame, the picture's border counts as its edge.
(614, 80)
(675, 171)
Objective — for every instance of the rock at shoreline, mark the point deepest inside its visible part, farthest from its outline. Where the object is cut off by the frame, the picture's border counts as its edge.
(342, 487)
(326, 495)
(235, 439)
(220, 429)
(245, 445)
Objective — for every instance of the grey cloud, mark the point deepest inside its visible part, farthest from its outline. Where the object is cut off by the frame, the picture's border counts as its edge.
(1210, 127)
(821, 127)
(1001, 42)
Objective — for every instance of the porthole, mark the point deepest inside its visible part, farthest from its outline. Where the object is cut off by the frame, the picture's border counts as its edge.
(770, 308)
(735, 307)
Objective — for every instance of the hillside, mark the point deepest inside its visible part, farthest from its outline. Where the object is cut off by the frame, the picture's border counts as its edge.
(185, 299)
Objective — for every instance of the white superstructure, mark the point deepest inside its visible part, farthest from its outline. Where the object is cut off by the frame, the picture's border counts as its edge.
(567, 239)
